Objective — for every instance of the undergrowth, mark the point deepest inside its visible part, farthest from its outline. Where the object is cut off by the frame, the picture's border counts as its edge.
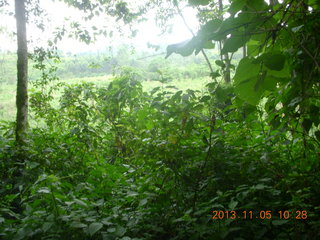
(119, 163)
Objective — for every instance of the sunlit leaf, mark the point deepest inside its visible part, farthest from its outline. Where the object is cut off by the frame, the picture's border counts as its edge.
(94, 227)
(44, 190)
(209, 45)
(245, 81)
(184, 48)
(80, 202)
(78, 225)
(296, 29)
(236, 6)
(232, 44)
(232, 204)
(143, 202)
(220, 63)
(120, 231)
(279, 222)
(256, 5)
(111, 230)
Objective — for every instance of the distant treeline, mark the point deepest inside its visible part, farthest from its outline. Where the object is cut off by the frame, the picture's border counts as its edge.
(149, 65)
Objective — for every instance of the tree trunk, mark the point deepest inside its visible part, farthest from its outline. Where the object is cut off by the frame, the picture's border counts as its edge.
(225, 57)
(244, 51)
(22, 72)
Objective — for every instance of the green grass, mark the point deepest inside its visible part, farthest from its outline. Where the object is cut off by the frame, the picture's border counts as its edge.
(99, 81)
(195, 84)
(8, 91)
(7, 102)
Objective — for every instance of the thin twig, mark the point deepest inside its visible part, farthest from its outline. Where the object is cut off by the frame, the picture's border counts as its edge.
(157, 54)
(193, 34)
(310, 55)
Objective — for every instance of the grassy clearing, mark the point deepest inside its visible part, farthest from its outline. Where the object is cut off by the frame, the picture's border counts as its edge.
(7, 102)
(8, 91)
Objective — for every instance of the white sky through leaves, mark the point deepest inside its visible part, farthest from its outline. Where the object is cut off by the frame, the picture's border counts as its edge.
(148, 32)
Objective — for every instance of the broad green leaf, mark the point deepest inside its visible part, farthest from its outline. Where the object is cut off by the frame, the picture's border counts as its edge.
(209, 45)
(210, 27)
(245, 81)
(154, 90)
(78, 225)
(21, 234)
(132, 194)
(143, 202)
(259, 186)
(233, 43)
(209, 31)
(236, 6)
(279, 222)
(94, 227)
(233, 26)
(90, 219)
(105, 221)
(227, 26)
(307, 123)
(270, 83)
(126, 238)
(205, 98)
(120, 231)
(111, 230)
(296, 29)
(80, 202)
(256, 5)
(232, 204)
(44, 190)
(246, 70)
(32, 164)
(274, 61)
(142, 114)
(46, 226)
(149, 124)
(253, 48)
(215, 75)
(284, 73)
(250, 83)
(184, 48)
(295, 101)
(220, 63)
(177, 220)
(98, 203)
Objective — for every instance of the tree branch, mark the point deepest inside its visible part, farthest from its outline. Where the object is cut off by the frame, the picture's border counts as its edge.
(193, 34)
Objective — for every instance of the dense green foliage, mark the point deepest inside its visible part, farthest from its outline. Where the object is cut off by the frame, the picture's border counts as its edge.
(98, 68)
(85, 65)
(117, 162)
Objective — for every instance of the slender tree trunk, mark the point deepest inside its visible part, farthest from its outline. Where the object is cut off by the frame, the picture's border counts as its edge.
(225, 56)
(244, 50)
(22, 76)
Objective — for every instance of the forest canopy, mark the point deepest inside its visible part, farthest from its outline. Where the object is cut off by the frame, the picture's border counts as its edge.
(213, 137)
